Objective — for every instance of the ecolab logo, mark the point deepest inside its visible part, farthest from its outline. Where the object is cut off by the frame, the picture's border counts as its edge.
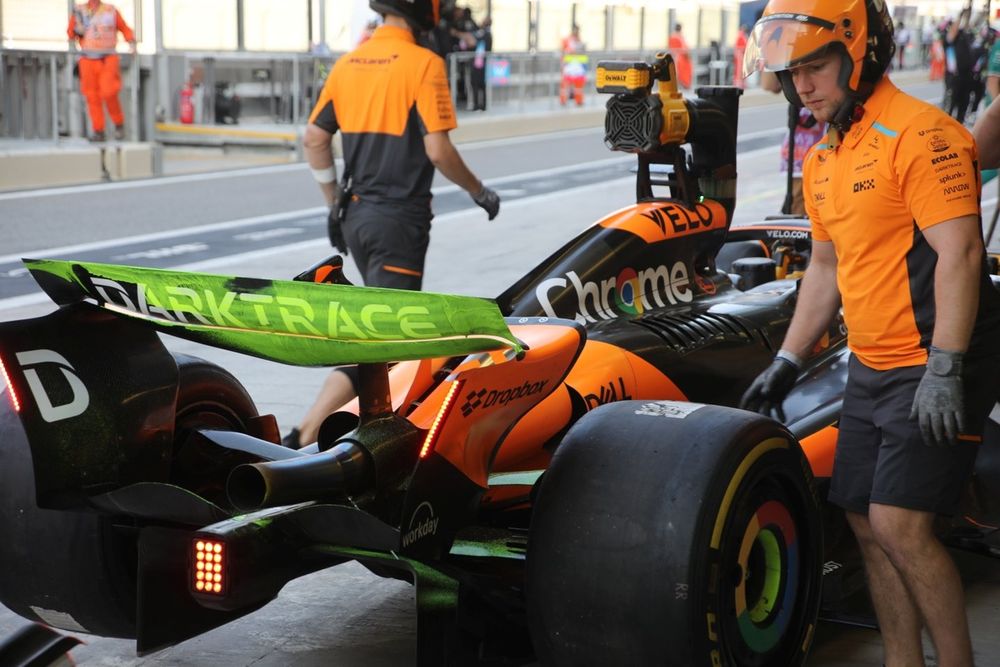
(944, 158)
(630, 292)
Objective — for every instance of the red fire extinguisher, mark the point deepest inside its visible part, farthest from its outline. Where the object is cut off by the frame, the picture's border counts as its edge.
(187, 104)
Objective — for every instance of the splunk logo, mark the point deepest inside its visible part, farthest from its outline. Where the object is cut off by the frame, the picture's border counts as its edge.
(631, 292)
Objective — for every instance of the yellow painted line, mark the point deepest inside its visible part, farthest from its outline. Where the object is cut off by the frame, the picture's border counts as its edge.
(225, 132)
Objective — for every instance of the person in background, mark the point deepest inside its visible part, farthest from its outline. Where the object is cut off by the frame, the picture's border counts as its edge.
(893, 201)
(484, 44)
(95, 26)
(958, 47)
(367, 32)
(574, 67)
(808, 132)
(739, 47)
(394, 115)
(682, 56)
(902, 41)
(938, 62)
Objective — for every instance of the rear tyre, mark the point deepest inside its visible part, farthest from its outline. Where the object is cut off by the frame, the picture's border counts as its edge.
(660, 538)
(75, 570)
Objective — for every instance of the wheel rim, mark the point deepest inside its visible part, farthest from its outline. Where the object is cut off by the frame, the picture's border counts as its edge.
(768, 564)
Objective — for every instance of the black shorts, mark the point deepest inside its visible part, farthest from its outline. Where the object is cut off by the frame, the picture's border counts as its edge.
(388, 242)
(881, 456)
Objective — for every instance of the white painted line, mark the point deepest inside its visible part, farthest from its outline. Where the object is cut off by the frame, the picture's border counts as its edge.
(158, 180)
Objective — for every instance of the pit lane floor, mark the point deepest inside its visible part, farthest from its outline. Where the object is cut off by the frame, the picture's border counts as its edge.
(348, 617)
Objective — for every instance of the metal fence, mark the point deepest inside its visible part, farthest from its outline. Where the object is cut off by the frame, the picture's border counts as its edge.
(41, 98)
(521, 78)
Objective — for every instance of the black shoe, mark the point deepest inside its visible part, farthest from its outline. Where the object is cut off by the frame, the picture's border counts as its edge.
(97, 137)
(292, 439)
(119, 133)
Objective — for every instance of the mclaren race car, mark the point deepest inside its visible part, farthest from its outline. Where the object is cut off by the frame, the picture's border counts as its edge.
(560, 471)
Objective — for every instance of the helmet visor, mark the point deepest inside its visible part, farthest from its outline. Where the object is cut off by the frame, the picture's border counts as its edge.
(781, 41)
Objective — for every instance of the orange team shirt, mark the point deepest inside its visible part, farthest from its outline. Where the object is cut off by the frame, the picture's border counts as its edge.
(384, 97)
(904, 167)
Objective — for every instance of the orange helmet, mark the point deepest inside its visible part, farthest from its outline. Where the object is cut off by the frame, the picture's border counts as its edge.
(793, 32)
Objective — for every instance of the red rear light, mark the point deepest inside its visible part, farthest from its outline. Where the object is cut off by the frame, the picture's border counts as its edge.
(10, 387)
(432, 435)
(208, 575)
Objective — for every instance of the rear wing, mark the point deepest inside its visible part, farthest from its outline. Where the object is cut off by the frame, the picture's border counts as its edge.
(297, 323)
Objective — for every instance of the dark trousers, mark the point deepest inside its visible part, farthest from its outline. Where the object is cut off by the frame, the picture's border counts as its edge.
(388, 242)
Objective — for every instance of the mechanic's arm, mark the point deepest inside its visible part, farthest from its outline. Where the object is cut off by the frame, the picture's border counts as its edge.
(316, 143)
(987, 134)
(817, 303)
(956, 280)
(443, 154)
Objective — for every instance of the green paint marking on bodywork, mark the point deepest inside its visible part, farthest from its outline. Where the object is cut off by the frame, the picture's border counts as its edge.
(299, 323)
(486, 549)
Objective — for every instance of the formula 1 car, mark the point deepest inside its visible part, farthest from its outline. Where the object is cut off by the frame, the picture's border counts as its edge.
(560, 471)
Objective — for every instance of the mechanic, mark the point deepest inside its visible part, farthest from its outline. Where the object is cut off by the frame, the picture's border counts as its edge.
(893, 197)
(390, 100)
(96, 25)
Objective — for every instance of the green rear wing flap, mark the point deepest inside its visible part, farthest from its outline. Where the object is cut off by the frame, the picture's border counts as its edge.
(298, 323)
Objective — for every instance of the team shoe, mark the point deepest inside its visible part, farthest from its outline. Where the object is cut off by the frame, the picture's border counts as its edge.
(119, 133)
(292, 439)
(97, 137)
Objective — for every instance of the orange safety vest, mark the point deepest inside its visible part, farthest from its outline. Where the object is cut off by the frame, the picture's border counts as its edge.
(100, 27)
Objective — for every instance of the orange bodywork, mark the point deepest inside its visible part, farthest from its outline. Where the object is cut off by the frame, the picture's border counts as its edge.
(659, 221)
(496, 393)
(819, 449)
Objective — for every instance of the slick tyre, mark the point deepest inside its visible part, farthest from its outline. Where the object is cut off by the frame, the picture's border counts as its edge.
(663, 535)
(76, 570)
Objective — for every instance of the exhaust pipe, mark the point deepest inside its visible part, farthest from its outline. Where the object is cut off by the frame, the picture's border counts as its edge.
(344, 469)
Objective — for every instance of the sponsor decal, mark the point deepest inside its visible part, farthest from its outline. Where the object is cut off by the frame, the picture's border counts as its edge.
(937, 144)
(422, 523)
(954, 189)
(608, 394)
(355, 60)
(788, 233)
(951, 177)
(631, 292)
(680, 220)
(867, 184)
(830, 567)
(821, 181)
(31, 362)
(671, 409)
(373, 322)
(487, 398)
(947, 166)
(819, 197)
(926, 132)
(865, 165)
(944, 158)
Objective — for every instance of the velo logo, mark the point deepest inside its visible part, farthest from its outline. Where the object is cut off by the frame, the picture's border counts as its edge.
(34, 360)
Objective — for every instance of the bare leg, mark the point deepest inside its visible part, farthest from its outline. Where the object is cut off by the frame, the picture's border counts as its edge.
(907, 537)
(898, 618)
(337, 389)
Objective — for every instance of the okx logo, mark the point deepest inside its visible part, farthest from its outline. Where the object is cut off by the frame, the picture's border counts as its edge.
(53, 406)
(867, 184)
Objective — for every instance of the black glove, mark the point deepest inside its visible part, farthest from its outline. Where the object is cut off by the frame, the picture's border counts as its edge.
(334, 231)
(770, 388)
(938, 403)
(488, 200)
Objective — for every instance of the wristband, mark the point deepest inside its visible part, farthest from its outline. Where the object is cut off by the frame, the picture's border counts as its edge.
(324, 176)
(790, 357)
